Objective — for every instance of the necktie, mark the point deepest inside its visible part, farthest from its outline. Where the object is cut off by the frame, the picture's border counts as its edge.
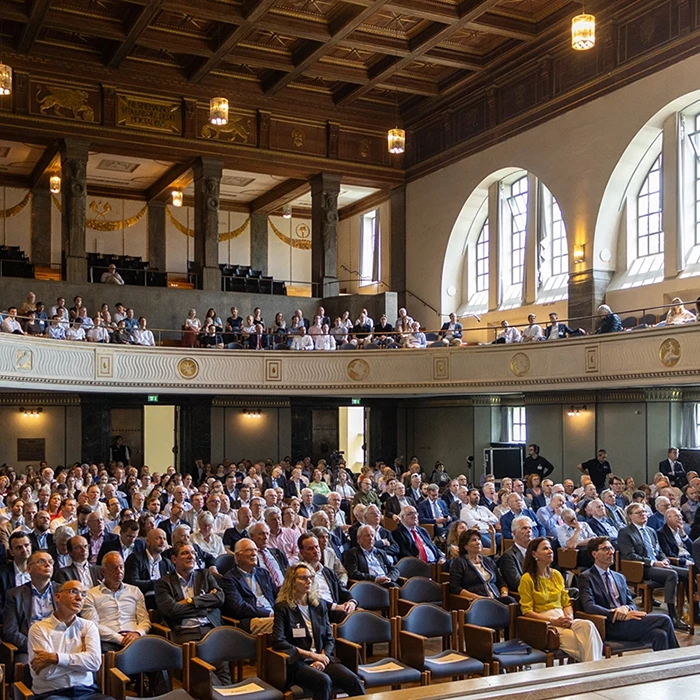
(272, 567)
(649, 547)
(614, 600)
(421, 546)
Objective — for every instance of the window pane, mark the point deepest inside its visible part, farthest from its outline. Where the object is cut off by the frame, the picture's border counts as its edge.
(650, 239)
(482, 259)
(517, 203)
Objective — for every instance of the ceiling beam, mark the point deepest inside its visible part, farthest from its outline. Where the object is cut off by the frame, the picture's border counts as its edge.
(340, 27)
(37, 13)
(417, 8)
(504, 26)
(137, 28)
(279, 195)
(178, 174)
(428, 39)
(253, 11)
(45, 161)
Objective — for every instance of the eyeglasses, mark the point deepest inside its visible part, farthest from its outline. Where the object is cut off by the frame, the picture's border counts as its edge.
(76, 592)
(608, 548)
(305, 577)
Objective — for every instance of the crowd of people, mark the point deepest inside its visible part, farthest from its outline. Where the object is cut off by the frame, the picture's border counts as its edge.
(89, 549)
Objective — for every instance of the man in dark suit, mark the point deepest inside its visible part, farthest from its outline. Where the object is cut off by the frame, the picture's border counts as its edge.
(414, 490)
(40, 537)
(604, 592)
(19, 611)
(452, 329)
(673, 540)
(367, 563)
(308, 507)
(339, 600)
(96, 535)
(190, 600)
(511, 561)
(249, 591)
(167, 526)
(295, 485)
(638, 542)
(449, 496)
(383, 539)
(394, 504)
(413, 540)
(126, 544)
(204, 560)
(80, 568)
(142, 569)
(433, 511)
(15, 573)
(599, 521)
(673, 470)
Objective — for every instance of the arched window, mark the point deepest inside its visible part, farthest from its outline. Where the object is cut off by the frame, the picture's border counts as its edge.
(560, 250)
(482, 259)
(517, 204)
(650, 236)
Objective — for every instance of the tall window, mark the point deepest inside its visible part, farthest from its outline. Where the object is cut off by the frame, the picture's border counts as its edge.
(517, 424)
(650, 238)
(517, 203)
(697, 188)
(369, 248)
(560, 251)
(482, 259)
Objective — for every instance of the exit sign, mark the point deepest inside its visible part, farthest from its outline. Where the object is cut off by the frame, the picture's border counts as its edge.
(356, 402)
(153, 398)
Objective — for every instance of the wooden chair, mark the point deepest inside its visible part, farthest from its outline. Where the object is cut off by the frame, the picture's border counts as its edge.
(633, 571)
(610, 647)
(389, 523)
(420, 590)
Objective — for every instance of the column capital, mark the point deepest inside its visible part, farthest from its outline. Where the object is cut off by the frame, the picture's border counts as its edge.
(207, 167)
(73, 148)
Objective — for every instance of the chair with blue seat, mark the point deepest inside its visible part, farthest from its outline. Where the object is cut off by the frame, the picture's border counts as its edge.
(425, 622)
(421, 590)
(413, 566)
(232, 646)
(361, 629)
(224, 563)
(488, 634)
(320, 499)
(372, 596)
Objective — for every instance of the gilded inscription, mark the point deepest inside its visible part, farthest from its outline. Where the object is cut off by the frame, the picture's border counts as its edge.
(154, 115)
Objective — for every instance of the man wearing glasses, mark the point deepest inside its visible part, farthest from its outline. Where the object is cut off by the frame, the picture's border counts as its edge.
(604, 592)
(64, 649)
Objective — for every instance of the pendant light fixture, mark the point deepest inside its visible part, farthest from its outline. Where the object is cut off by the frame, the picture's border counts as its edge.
(177, 198)
(55, 184)
(396, 137)
(583, 32)
(5, 72)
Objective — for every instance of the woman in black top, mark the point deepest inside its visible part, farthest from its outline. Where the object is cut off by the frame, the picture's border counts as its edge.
(302, 631)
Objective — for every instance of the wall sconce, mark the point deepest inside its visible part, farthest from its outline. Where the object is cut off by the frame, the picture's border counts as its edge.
(579, 252)
(31, 412)
(252, 414)
(575, 410)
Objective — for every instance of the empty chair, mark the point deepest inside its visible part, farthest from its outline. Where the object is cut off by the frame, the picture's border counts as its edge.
(424, 622)
(361, 629)
(224, 563)
(232, 646)
(419, 589)
(413, 566)
(372, 596)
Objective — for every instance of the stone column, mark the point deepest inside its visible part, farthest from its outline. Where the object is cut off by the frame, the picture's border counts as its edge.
(586, 293)
(41, 223)
(207, 182)
(397, 270)
(324, 234)
(74, 156)
(156, 236)
(258, 242)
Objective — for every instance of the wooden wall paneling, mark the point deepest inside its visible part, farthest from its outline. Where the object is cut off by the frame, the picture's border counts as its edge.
(76, 102)
(297, 136)
(362, 145)
(646, 31)
(519, 95)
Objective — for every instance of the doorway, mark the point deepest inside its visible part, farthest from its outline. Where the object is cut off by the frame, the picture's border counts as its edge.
(159, 437)
(352, 436)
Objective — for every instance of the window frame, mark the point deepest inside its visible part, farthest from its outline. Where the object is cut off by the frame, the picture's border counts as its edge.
(366, 279)
(517, 424)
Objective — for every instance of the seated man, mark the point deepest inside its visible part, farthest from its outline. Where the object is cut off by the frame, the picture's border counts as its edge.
(615, 513)
(604, 592)
(29, 603)
(365, 562)
(64, 649)
(574, 534)
(40, 536)
(80, 569)
(127, 542)
(481, 518)
(97, 535)
(204, 560)
(413, 540)
(638, 542)
(550, 515)
(517, 508)
(599, 521)
(433, 511)
(249, 590)
(511, 561)
(673, 540)
(141, 334)
(657, 520)
(117, 608)
(142, 569)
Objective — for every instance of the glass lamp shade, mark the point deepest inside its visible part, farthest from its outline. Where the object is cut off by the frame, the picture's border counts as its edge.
(583, 32)
(177, 198)
(55, 184)
(5, 79)
(397, 140)
(218, 111)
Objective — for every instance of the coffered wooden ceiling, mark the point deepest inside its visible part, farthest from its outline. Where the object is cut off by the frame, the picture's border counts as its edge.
(337, 52)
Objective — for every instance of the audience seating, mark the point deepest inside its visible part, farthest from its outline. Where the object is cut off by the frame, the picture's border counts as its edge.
(361, 629)
(242, 278)
(232, 646)
(372, 596)
(413, 566)
(14, 263)
(224, 563)
(426, 621)
(420, 589)
(484, 626)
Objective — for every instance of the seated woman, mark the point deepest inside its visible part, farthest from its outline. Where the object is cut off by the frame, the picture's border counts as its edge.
(534, 492)
(452, 542)
(206, 538)
(318, 484)
(301, 630)
(191, 328)
(678, 314)
(543, 597)
(473, 576)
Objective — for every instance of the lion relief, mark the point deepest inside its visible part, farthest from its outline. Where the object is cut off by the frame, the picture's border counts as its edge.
(73, 101)
(227, 132)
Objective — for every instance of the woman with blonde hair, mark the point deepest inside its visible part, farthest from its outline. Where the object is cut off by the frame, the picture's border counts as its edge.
(544, 597)
(678, 314)
(302, 631)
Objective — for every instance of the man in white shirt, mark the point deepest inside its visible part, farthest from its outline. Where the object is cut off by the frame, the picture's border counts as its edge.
(67, 516)
(111, 276)
(118, 608)
(325, 341)
(301, 341)
(98, 333)
(142, 336)
(509, 334)
(11, 324)
(481, 518)
(75, 331)
(533, 331)
(64, 649)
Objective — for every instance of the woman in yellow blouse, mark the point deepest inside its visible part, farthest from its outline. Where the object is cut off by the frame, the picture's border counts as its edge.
(543, 597)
